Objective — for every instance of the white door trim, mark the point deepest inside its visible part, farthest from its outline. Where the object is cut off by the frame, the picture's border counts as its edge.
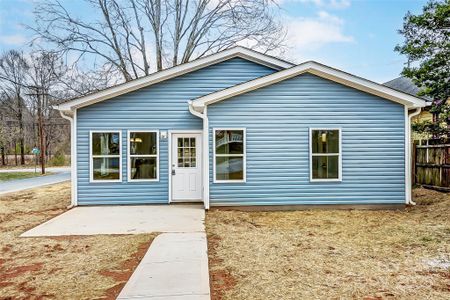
(169, 153)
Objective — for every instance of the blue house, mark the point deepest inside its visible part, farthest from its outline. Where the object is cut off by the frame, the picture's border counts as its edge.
(241, 128)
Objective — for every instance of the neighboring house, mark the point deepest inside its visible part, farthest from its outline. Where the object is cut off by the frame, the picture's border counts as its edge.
(405, 84)
(240, 128)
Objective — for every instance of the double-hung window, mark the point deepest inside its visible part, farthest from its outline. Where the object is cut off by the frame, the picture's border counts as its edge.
(105, 150)
(325, 156)
(143, 151)
(229, 155)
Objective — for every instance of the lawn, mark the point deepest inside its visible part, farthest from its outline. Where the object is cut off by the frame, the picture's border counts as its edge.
(18, 175)
(332, 254)
(93, 267)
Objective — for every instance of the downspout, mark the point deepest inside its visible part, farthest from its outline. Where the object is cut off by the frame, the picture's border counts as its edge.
(73, 154)
(205, 151)
(410, 116)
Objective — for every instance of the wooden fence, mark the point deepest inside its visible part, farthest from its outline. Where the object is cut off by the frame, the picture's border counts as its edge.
(431, 165)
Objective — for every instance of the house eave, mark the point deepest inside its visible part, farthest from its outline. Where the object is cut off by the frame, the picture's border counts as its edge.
(318, 70)
(173, 72)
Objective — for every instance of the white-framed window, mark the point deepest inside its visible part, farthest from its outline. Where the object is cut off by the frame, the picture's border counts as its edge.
(105, 156)
(143, 155)
(229, 155)
(325, 158)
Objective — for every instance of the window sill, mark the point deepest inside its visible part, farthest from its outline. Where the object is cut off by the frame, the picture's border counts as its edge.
(229, 181)
(325, 180)
(105, 181)
(142, 180)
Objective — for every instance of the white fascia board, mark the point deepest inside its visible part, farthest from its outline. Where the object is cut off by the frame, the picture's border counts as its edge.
(174, 72)
(319, 70)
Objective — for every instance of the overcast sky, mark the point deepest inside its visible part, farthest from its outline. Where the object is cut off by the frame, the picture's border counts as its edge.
(357, 36)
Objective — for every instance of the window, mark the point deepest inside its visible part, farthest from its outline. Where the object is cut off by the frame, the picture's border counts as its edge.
(143, 148)
(187, 157)
(106, 156)
(325, 159)
(229, 155)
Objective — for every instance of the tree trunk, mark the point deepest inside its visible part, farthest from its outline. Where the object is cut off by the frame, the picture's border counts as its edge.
(2, 149)
(22, 151)
(21, 131)
(15, 153)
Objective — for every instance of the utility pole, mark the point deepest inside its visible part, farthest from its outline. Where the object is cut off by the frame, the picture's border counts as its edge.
(39, 94)
(41, 130)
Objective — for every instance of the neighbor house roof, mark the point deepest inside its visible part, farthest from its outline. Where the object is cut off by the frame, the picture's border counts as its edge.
(175, 71)
(404, 84)
(315, 69)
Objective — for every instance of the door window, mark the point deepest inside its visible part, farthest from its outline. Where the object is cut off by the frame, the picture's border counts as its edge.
(186, 149)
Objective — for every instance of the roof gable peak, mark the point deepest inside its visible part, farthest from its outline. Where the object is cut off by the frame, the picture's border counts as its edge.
(317, 69)
(173, 72)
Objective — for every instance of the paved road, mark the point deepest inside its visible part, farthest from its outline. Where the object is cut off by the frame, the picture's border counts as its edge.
(50, 169)
(61, 174)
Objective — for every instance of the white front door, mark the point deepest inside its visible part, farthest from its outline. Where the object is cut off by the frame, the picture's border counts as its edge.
(186, 169)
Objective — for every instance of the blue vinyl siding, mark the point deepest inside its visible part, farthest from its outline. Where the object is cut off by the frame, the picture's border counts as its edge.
(162, 106)
(277, 119)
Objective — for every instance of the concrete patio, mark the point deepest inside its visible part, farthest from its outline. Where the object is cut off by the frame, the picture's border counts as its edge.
(91, 220)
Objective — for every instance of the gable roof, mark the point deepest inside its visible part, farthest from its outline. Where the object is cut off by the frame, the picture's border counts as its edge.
(172, 72)
(314, 68)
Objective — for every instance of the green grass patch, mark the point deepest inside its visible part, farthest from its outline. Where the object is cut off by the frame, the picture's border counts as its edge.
(18, 175)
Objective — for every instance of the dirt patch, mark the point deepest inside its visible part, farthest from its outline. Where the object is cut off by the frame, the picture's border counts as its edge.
(59, 267)
(123, 273)
(331, 254)
(20, 270)
(219, 277)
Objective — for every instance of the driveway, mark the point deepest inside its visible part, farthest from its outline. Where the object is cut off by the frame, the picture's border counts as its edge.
(176, 264)
(60, 175)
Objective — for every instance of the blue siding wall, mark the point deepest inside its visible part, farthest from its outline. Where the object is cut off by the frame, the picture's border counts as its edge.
(277, 119)
(162, 106)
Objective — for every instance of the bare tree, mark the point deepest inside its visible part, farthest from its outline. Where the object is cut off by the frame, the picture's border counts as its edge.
(13, 69)
(29, 86)
(46, 69)
(123, 33)
(205, 26)
(6, 130)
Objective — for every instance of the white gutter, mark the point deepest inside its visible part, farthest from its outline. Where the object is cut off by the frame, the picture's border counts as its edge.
(73, 155)
(408, 157)
(205, 151)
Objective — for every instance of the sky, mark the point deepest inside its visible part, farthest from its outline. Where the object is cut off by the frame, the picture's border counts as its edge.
(357, 36)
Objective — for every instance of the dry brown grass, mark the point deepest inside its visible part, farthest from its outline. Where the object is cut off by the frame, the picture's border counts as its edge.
(331, 254)
(94, 267)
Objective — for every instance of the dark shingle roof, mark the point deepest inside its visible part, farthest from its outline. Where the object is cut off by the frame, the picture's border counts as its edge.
(405, 84)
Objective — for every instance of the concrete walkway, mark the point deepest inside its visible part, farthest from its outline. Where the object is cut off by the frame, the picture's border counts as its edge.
(61, 174)
(176, 265)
